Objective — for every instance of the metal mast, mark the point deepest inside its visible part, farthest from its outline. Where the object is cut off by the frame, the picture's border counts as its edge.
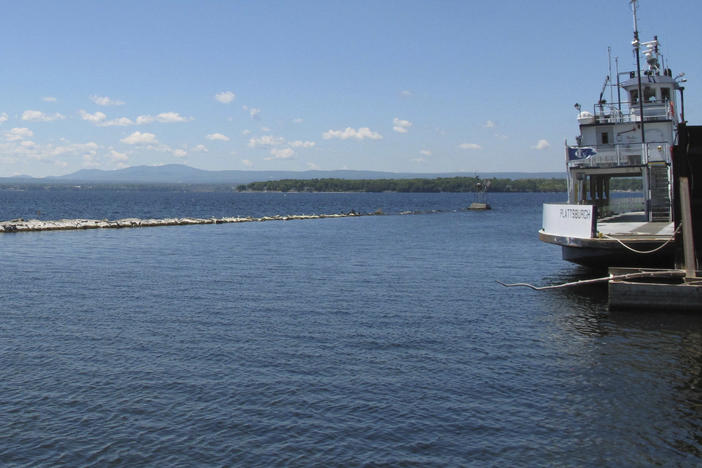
(636, 45)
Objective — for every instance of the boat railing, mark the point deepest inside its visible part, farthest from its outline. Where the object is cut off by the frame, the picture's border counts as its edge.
(620, 205)
(628, 112)
(618, 155)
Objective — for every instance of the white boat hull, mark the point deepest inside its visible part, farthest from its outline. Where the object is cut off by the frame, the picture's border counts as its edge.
(608, 252)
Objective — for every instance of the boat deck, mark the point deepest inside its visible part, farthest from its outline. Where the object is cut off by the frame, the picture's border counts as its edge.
(637, 229)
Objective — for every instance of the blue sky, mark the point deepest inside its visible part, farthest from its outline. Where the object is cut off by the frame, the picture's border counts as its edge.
(406, 86)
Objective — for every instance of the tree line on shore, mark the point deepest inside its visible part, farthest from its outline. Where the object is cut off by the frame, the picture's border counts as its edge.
(440, 184)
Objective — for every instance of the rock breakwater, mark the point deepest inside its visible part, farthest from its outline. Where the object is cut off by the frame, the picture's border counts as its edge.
(22, 225)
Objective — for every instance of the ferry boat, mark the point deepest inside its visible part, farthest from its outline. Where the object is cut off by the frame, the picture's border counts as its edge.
(631, 139)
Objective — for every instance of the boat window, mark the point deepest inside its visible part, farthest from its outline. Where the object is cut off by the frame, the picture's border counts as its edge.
(634, 95)
(605, 138)
(665, 94)
(649, 94)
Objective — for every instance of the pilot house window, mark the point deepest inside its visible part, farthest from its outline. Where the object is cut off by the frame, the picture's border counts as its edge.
(649, 94)
(665, 94)
(604, 138)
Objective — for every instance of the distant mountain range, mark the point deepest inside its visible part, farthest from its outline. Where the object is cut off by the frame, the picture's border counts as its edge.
(182, 174)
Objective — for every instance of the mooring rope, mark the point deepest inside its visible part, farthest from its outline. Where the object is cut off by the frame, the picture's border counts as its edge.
(672, 237)
(644, 274)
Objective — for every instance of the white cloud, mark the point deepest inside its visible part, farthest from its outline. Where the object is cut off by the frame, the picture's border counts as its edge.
(179, 153)
(470, 146)
(28, 149)
(297, 120)
(281, 153)
(172, 117)
(541, 145)
(98, 118)
(81, 149)
(489, 124)
(425, 152)
(253, 111)
(401, 126)
(138, 138)
(3, 117)
(246, 163)
(39, 116)
(266, 140)
(49, 99)
(119, 122)
(246, 132)
(163, 117)
(16, 134)
(95, 118)
(312, 166)
(105, 101)
(217, 136)
(117, 156)
(418, 160)
(406, 93)
(144, 119)
(161, 148)
(200, 149)
(302, 144)
(360, 134)
(89, 161)
(225, 97)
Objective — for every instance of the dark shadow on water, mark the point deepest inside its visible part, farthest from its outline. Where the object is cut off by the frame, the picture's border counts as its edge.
(677, 335)
(661, 351)
(595, 293)
(575, 309)
(589, 304)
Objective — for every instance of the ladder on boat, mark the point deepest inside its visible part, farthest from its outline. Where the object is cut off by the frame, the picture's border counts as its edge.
(659, 180)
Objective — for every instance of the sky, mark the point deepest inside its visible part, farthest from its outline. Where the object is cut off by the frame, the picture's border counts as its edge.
(403, 86)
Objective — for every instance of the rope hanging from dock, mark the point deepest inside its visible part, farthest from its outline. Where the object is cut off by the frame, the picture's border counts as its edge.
(644, 252)
(644, 274)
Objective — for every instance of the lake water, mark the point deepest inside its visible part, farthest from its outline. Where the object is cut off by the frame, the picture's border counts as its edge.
(378, 340)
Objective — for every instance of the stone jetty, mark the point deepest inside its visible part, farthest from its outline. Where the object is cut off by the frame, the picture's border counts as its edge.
(22, 225)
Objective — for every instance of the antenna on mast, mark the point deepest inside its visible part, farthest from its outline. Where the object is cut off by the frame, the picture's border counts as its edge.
(636, 45)
(636, 24)
(609, 57)
(619, 89)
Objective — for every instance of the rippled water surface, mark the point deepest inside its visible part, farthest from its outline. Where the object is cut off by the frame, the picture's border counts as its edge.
(352, 341)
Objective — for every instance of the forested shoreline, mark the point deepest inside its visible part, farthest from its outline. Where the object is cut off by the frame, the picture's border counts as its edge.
(441, 184)
(416, 185)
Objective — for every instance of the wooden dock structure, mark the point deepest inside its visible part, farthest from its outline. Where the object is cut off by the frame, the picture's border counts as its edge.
(681, 289)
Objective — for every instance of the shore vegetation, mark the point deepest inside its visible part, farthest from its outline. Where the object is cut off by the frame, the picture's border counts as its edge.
(440, 184)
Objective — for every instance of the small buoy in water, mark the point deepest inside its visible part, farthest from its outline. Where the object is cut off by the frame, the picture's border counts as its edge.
(479, 206)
